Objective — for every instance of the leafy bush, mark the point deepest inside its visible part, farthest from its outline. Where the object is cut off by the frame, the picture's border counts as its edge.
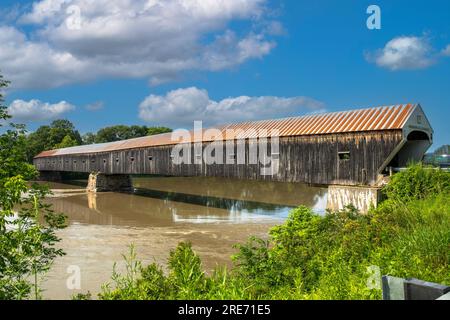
(418, 182)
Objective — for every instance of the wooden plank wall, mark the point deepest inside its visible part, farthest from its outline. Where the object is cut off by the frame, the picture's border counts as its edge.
(307, 159)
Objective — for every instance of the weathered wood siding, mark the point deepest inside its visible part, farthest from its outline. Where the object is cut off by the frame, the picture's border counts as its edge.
(308, 159)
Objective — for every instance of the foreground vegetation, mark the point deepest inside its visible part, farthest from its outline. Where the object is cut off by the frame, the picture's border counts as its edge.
(338, 256)
(27, 226)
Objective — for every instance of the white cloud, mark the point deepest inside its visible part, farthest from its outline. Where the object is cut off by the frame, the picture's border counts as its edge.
(403, 53)
(228, 50)
(446, 51)
(35, 65)
(35, 110)
(96, 106)
(43, 10)
(179, 108)
(276, 28)
(154, 39)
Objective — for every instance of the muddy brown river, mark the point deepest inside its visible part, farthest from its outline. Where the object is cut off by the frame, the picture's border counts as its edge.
(211, 213)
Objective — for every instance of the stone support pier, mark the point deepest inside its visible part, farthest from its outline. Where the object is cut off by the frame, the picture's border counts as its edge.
(99, 182)
(362, 198)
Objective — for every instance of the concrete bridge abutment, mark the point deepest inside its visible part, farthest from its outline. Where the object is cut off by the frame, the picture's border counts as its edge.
(99, 182)
(361, 197)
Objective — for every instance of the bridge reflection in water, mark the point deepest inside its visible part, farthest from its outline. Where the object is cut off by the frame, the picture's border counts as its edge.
(166, 201)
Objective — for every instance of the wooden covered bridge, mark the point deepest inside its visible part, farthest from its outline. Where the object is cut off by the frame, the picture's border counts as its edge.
(350, 148)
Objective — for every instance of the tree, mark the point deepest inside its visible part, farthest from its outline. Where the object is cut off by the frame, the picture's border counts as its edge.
(51, 137)
(121, 132)
(89, 138)
(37, 142)
(443, 150)
(27, 226)
(67, 142)
(59, 129)
(158, 130)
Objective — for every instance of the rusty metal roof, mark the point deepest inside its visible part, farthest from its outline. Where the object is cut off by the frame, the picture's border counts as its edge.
(372, 119)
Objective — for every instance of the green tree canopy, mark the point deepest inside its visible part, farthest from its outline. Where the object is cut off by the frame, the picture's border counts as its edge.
(89, 138)
(12, 145)
(443, 150)
(158, 130)
(51, 137)
(67, 142)
(122, 132)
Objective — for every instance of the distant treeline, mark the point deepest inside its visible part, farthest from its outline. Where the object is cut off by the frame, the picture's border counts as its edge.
(444, 150)
(440, 157)
(63, 134)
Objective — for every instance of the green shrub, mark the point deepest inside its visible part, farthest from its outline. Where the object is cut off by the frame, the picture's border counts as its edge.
(418, 182)
(186, 275)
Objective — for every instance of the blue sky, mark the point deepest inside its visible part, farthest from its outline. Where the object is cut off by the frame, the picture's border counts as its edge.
(221, 61)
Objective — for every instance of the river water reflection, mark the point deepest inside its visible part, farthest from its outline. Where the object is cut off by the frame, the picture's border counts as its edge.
(212, 213)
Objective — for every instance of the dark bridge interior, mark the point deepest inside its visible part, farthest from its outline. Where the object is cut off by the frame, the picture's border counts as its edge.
(413, 150)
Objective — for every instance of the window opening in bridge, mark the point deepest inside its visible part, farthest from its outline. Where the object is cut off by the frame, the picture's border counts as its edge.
(150, 158)
(344, 155)
(117, 160)
(132, 159)
(180, 154)
(364, 175)
(74, 161)
(104, 160)
(419, 119)
(93, 161)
